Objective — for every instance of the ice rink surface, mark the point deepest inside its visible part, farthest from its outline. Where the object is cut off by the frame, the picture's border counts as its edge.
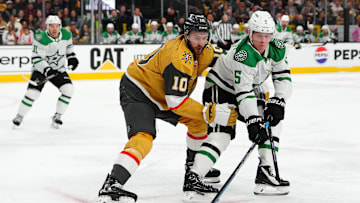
(319, 148)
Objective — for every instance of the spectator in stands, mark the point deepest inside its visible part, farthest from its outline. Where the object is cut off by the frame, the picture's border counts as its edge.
(31, 22)
(235, 34)
(66, 17)
(310, 36)
(111, 36)
(38, 4)
(9, 36)
(133, 36)
(340, 18)
(321, 5)
(3, 27)
(138, 19)
(213, 37)
(15, 23)
(356, 33)
(170, 15)
(9, 11)
(20, 16)
(231, 20)
(153, 36)
(278, 18)
(75, 34)
(279, 7)
(215, 10)
(299, 35)
(299, 20)
(271, 8)
(223, 33)
(290, 9)
(42, 28)
(20, 5)
(85, 37)
(48, 9)
(321, 19)
(75, 18)
(123, 18)
(38, 19)
(170, 32)
(162, 26)
(27, 38)
(352, 13)
(210, 18)
(114, 20)
(254, 9)
(336, 8)
(57, 6)
(20, 32)
(180, 25)
(308, 9)
(30, 10)
(326, 35)
(240, 14)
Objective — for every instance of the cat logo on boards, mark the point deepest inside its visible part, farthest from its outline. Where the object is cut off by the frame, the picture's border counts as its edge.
(105, 58)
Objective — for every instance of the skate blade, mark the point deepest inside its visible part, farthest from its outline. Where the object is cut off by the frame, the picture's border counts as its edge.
(213, 180)
(192, 196)
(268, 190)
(55, 125)
(107, 199)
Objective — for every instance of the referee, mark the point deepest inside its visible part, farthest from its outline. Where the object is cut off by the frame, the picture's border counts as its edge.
(223, 32)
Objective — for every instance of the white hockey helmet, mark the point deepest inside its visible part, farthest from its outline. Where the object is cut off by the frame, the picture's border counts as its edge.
(109, 25)
(135, 26)
(236, 26)
(153, 23)
(246, 25)
(261, 21)
(325, 27)
(285, 18)
(52, 19)
(299, 28)
(311, 26)
(169, 24)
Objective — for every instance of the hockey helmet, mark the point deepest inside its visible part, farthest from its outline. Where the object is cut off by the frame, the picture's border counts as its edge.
(310, 26)
(135, 26)
(285, 18)
(169, 24)
(197, 23)
(299, 28)
(261, 21)
(236, 26)
(246, 25)
(153, 23)
(110, 25)
(52, 19)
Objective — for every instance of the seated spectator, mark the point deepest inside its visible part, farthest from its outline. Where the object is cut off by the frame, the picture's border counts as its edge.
(27, 38)
(15, 23)
(30, 10)
(31, 22)
(75, 18)
(240, 14)
(340, 18)
(85, 37)
(180, 25)
(74, 33)
(336, 8)
(9, 11)
(153, 36)
(310, 36)
(170, 15)
(356, 33)
(9, 36)
(299, 35)
(133, 36)
(111, 36)
(3, 27)
(170, 33)
(290, 9)
(162, 26)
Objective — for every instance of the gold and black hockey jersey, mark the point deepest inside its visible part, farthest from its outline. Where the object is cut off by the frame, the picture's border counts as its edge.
(168, 75)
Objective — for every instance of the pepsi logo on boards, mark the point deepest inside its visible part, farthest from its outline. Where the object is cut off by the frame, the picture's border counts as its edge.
(321, 55)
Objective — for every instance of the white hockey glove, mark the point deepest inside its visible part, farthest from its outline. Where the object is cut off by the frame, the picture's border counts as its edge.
(221, 114)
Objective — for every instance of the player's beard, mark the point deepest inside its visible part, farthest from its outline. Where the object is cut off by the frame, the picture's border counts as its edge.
(198, 50)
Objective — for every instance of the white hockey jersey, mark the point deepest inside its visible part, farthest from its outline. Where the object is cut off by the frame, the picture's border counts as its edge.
(242, 71)
(108, 38)
(132, 38)
(153, 37)
(283, 34)
(47, 51)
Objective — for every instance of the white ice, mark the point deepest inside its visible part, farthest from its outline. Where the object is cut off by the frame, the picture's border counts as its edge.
(319, 148)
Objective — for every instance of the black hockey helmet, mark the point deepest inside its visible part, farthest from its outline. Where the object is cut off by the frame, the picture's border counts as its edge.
(197, 23)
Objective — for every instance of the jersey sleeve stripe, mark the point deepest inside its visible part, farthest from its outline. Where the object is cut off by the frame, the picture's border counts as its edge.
(178, 106)
(283, 78)
(280, 72)
(248, 97)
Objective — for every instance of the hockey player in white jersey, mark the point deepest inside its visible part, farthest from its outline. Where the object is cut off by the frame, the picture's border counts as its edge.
(237, 79)
(50, 51)
(299, 35)
(283, 31)
(153, 36)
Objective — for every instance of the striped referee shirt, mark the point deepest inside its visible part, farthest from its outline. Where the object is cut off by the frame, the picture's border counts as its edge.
(223, 31)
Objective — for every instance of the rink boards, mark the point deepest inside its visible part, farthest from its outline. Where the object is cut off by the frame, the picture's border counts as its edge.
(110, 61)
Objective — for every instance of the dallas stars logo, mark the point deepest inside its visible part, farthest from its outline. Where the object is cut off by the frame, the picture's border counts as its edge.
(187, 57)
(279, 44)
(54, 59)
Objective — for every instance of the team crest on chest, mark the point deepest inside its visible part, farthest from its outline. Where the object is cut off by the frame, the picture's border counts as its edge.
(187, 57)
(54, 59)
(240, 56)
(279, 44)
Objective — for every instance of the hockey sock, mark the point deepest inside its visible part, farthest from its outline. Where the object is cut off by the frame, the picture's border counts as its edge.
(209, 152)
(138, 146)
(193, 143)
(64, 99)
(265, 149)
(26, 103)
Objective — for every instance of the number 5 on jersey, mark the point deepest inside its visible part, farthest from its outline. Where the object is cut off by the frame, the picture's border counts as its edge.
(237, 76)
(180, 85)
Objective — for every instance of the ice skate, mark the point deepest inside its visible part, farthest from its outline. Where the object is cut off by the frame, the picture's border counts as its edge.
(195, 190)
(112, 192)
(267, 184)
(56, 121)
(212, 177)
(17, 120)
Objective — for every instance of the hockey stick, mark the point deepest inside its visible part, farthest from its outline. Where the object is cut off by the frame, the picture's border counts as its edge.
(228, 181)
(308, 45)
(37, 83)
(268, 130)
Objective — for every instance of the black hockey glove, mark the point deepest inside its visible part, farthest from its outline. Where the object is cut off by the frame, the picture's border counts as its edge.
(256, 129)
(73, 62)
(48, 71)
(274, 110)
(297, 45)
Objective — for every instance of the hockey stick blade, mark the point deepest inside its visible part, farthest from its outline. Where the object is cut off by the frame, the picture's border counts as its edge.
(228, 181)
(268, 130)
(40, 82)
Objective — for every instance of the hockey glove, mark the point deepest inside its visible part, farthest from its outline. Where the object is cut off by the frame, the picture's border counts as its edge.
(222, 114)
(274, 110)
(256, 129)
(297, 45)
(48, 71)
(73, 63)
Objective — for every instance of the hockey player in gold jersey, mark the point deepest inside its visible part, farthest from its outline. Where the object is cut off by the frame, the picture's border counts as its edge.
(159, 86)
